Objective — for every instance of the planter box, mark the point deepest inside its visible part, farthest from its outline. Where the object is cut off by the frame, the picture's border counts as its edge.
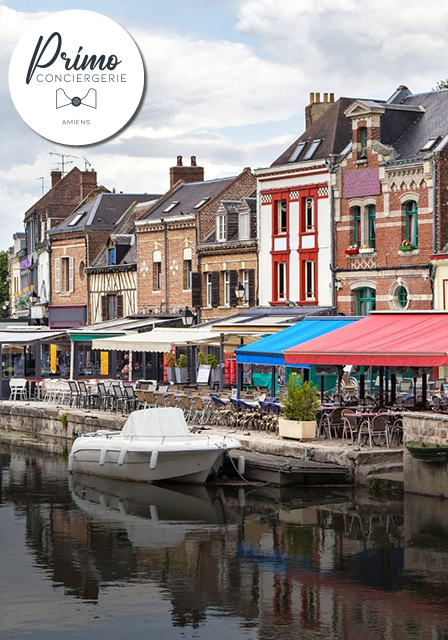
(352, 252)
(297, 430)
(214, 376)
(405, 247)
(171, 374)
(369, 250)
(181, 375)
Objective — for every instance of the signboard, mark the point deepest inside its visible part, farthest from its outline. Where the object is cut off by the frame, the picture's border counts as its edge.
(203, 374)
(53, 358)
(104, 371)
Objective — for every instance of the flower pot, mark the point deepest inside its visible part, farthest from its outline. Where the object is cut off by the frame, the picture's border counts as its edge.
(352, 252)
(171, 374)
(368, 250)
(181, 375)
(406, 247)
(214, 376)
(299, 430)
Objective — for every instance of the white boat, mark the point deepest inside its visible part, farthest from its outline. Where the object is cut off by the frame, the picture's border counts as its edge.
(154, 445)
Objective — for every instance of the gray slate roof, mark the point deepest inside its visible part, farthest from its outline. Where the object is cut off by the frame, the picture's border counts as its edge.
(187, 195)
(102, 212)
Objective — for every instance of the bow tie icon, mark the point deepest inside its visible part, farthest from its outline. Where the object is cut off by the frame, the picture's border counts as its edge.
(62, 99)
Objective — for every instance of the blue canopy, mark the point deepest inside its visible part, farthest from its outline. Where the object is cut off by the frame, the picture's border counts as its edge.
(270, 350)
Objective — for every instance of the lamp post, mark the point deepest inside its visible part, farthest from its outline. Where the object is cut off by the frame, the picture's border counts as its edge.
(240, 291)
(188, 317)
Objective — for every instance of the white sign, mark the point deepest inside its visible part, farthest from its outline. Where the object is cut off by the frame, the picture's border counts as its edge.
(203, 374)
(76, 77)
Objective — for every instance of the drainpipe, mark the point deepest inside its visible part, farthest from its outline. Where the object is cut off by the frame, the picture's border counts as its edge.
(330, 169)
(434, 205)
(165, 243)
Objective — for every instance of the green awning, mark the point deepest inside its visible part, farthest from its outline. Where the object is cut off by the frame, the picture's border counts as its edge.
(88, 337)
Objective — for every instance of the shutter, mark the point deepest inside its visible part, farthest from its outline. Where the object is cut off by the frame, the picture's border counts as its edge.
(120, 313)
(104, 308)
(215, 288)
(251, 274)
(233, 285)
(154, 276)
(57, 275)
(196, 297)
(71, 283)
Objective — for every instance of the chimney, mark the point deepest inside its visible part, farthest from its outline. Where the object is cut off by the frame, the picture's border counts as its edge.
(315, 109)
(87, 183)
(55, 177)
(193, 173)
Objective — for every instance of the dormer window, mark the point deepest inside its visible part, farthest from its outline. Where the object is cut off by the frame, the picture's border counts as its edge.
(297, 151)
(221, 228)
(244, 225)
(363, 142)
(312, 149)
(112, 256)
(430, 144)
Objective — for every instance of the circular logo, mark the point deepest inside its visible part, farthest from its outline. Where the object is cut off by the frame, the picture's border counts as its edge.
(76, 59)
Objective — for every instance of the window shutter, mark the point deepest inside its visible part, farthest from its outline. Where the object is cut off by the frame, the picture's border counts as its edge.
(120, 313)
(154, 276)
(196, 297)
(233, 285)
(57, 275)
(104, 308)
(215, 288)
(70, 275)
(251, 274)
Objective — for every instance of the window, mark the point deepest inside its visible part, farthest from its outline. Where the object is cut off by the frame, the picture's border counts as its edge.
(402, 297)
(76, 219)
(365, 301)
(112, 306)
(309, 292)
(187, 274)
(371, 225)
(112, 257)
(201, 203)
(157, 276)
(411, 223)
(297, 151)
(171, 206)
(221, 228)
(65, 274)
(226, 285)
(244, 225)
(282, 217)
(312, 150)
(209, 289)
(430, 144)
(245, 283)
(363, 141)
(309, 214)
(356, 212)
(281, 280)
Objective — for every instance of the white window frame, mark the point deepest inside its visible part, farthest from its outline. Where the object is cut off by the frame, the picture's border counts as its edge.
(209, 289)
(281, 266)
(221, 228)
(244, 225)
(310, 279)
(226, 287)
(245, 283)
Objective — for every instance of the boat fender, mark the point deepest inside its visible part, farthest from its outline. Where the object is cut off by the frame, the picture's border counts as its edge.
(241, 465)
(154, 459)
(122, 457)
(71, 462)
(103, 455)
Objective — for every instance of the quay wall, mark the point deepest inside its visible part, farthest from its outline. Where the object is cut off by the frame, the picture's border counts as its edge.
(425, 478)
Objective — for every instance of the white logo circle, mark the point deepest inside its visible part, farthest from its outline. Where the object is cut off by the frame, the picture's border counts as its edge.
(76, 77)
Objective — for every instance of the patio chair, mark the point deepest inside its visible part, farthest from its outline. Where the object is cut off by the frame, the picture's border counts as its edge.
(350, 422)
(160, 399)
(131, 398)
(163, 388)
(377, 428)
(17, 388)
(84, 394)
(149, 399)
(119, 399)
(105, 400)
(184, 404)
(222, 410)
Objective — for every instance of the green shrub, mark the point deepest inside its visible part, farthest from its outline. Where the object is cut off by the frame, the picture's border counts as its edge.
(212, 361)
(64, 420)
(170, 359)
(301, 402)
(182, 361)
(201, 357)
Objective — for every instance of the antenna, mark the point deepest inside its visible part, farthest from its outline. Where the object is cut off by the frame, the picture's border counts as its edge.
(62, 162)
(87, 164)
(43, 181)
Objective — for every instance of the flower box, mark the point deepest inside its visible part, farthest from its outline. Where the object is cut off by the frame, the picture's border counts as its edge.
(407, 247)
(367, 250)
(298, 430)
(352, 252)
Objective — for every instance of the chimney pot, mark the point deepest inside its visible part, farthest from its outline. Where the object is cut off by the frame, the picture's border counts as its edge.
(193, 173)
(318, 97)
(179, 161)
(325, 97)
(331, 97)
(193, 161)
(311, 97)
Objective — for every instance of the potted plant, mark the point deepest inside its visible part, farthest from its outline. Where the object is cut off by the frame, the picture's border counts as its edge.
(181, 369)
(214, 371)
(300, 406)
(366, 249)
(406, 246)
(352, 250)
(171, 363)
(201, 358)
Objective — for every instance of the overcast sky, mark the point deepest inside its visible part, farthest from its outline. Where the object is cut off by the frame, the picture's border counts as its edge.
(227, 81)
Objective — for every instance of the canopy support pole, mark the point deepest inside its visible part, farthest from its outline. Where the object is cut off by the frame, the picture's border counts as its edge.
(38, 359)
(340, 374)
(239, 379)
(144, 365)
(130, 366)
(393, 390)
(414, 377)
(386, 369)
(273, 381)
(381, 376)
(72, 360)
(221, 361)
(424, 388)
(362, 386)
(322, 388)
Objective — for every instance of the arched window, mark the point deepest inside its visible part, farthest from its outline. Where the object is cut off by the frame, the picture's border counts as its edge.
(365, 301)
(402, 297)
(356, 213)
(411, 223)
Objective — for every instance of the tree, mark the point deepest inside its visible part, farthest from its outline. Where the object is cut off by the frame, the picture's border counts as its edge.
(442, 84)
(4, 283)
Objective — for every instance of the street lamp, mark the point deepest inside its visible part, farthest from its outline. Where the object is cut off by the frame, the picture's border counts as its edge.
(188, 317)
(240, 291)
(33, 297)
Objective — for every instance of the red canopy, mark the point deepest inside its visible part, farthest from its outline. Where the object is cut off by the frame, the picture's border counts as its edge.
(401, 339)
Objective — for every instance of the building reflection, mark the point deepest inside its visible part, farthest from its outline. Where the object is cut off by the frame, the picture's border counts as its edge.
(308, 563)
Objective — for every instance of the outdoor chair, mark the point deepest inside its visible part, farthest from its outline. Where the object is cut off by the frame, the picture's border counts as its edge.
(74, 393)
(149, 399)
(222, 410)
(163, 388)
(160, 399)
(84, 394)
(131, 398)
(375, 429)
(350, 422)
(18, 389)
(184, 404)
(332, 422)
(119, 399)
(105, 400)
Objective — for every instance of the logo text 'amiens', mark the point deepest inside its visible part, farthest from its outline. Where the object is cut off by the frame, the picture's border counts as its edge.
(79, 63)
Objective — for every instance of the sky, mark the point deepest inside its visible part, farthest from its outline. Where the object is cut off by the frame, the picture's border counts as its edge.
(226, 81)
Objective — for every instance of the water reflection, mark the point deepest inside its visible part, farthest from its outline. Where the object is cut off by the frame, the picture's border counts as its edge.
(272, 563)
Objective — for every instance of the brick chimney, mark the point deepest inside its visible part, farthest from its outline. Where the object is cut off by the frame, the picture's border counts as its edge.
(87, 183)
(193, 173)
(55, 177)
(316, 108)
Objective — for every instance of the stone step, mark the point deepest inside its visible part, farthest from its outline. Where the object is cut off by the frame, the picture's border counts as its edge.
(393, 481)
(385, 467)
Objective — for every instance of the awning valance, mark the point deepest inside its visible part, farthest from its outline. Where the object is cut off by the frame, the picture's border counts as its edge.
(29, 337)
(395, 339)
(269, 350)
(157, 340)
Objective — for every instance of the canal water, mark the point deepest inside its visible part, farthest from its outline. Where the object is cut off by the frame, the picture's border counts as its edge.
(83, 557)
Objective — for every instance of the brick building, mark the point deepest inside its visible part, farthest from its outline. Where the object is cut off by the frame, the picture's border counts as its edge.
(75, 244)
(390, 209)
(65, 194)
(169, 272)
(295, 210)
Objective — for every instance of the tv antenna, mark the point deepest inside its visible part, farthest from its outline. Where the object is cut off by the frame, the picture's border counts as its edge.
(63, 160)
(42, 183)
(87, 164)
